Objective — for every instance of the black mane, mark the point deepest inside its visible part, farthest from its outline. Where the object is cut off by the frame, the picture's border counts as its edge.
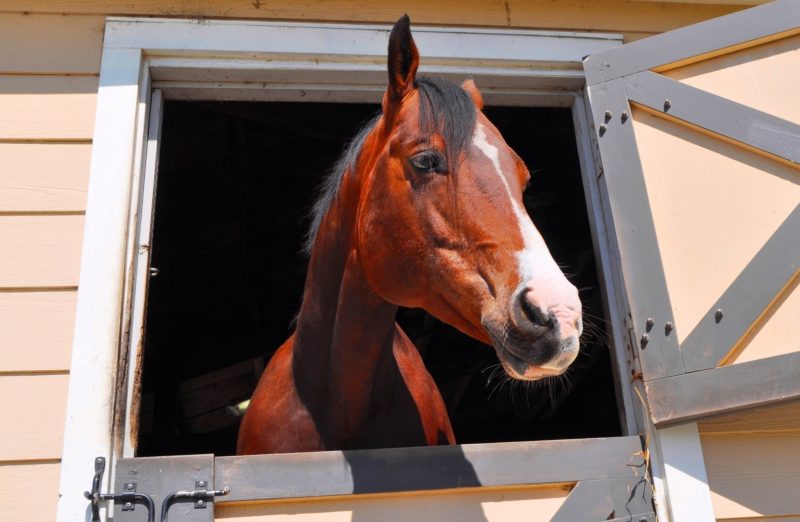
(445, 109)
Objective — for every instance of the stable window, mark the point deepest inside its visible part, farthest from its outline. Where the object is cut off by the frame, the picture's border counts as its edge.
(194, 122)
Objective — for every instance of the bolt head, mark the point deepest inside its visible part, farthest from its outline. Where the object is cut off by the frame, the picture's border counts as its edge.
(201, 483)
(128, 504)
(201, 502)
(718, 315)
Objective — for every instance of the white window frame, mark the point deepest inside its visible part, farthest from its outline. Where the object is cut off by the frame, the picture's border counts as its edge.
(145, 59)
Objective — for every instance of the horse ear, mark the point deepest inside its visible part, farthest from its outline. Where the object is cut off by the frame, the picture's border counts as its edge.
(472, 89)
(403, 59)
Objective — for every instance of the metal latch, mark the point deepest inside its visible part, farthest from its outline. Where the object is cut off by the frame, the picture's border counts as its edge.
(128, 498)
(200, 495)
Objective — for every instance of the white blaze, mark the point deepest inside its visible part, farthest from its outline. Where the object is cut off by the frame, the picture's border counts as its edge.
(534, 252)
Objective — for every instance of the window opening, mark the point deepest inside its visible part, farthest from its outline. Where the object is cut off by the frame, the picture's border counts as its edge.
(235, 183)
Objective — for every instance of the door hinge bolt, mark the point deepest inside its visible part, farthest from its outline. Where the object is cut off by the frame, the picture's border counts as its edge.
(667, 105)
(602, 129)
(718, 315)
(644, 340)
(608, 116)
(623, 117)
(668, 328)
(649, 323)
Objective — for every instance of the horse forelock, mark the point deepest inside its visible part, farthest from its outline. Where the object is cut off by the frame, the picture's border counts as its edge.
(444, 109)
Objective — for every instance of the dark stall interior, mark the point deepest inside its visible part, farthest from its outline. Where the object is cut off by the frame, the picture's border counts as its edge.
(235, 183)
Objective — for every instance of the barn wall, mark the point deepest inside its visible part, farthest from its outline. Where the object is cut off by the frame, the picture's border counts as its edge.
(49, 62)
(753, 463)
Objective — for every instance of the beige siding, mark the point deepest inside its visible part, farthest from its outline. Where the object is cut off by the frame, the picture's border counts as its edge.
(501, 505)
(29, 492)
(72, 46)
(47, 107)
(40, 251)
(750, 458)
(47, 102)
(606, 15)
(36, 330)
(44, 177)
(753, 474)
(32, 410)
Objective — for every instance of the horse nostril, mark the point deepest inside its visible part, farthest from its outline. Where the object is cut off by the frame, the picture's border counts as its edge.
(535, 314)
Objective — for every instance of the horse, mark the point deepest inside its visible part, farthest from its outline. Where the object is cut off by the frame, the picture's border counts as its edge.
(424, 209)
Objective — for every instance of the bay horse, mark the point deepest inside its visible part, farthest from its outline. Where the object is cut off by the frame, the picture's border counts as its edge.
(423, 210)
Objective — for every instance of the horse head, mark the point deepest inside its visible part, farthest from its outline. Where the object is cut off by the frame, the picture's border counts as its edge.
(441, 225)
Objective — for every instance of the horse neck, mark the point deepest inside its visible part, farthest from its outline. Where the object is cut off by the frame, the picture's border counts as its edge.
(344, 330)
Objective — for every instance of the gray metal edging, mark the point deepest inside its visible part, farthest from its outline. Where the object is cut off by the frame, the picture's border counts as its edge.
(633, 223)
(718, 115)
(303, 475)
(722, 390)
(753, 290)
(730, 31)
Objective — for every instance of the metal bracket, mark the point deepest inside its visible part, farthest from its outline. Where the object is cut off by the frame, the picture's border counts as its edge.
(182, 486)
(200, 495)
(127, 498)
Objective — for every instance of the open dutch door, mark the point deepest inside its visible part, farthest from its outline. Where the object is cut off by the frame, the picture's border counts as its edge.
(698, 132)
(699, 136)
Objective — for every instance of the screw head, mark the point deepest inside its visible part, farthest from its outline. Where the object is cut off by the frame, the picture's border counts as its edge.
(129, 486)
(649, 323)
(201, 483)
(201, 502)
(667, 105)
(623, 117)
(602, 129)
(128, 504)
(668, 328)
(644, 340)
(718, 315)
(608, 116)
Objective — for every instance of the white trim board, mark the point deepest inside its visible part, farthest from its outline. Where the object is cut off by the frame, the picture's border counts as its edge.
(219, 59)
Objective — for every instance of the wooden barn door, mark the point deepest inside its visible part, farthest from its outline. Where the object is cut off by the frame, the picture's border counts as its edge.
(699, 137)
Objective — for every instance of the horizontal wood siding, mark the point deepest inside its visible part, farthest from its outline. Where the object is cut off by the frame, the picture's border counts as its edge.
(753, 463)
(753, 474)
(47, 107)
(596, 15)
(44, 177)
(32, 410)
(36, 330)
(29, 492)
(40, 251)
(73, 44)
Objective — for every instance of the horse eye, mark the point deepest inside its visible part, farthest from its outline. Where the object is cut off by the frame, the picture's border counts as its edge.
(427, 162)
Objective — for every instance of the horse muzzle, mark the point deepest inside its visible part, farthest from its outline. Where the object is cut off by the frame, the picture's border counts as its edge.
(537, 341)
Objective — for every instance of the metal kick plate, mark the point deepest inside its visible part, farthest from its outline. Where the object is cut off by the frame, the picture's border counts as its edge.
(160, 476)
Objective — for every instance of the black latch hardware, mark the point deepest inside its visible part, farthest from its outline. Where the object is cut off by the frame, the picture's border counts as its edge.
(128, 498)
(200, 495)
